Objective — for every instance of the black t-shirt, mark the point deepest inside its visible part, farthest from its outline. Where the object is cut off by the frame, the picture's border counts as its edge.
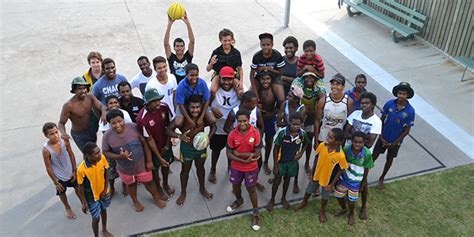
(232, 59)
(135, 105)
(275, 60)
(177, 65)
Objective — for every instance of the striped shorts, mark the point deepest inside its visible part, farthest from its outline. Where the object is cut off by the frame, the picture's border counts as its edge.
(96, 208)
(341, 190)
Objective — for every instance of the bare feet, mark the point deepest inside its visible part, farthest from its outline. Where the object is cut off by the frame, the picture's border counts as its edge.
(286, 204)
(163, 194)
(322, 217)
(181, 198)
(206, 194)
(138, 206)
(380, 185)
(363, 214)
(212, 178)
(301, 205)
(267, 169)
(70, 214)
(351, 220)
(124, 190)
(169, 190)
(296, 188)
(159, 202)
(260, 187)
(270, 205)
(107, 233)
(340, 212)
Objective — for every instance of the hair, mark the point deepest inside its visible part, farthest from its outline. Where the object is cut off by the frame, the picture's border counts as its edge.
(124, 83)
(143, 57)
(93, 55)
(338, 134)
(290, 40)
(242, 112)
(296, 115)
(361, 76)
(194, 99)
(114, 113)
(190, 67)
(371, 96)
(225, 32)
(158, 59)
(47, 126)
(110, 97)
(359, 134)
(88, 148)
(248, 96)
(178, 40)
(107, 61)
(309, 43)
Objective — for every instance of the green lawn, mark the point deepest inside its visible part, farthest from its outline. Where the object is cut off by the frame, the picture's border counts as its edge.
(438, 204)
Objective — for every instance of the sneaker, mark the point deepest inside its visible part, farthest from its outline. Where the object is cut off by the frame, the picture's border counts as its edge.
(236, 204)
(256, 223)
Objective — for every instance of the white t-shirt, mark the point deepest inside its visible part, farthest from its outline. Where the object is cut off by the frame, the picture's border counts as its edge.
(165, 89)
(139, 81)
(371, 125)
(126, 118)
(224, 101)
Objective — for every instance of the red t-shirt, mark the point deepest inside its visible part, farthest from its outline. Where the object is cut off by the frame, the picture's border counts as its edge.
(154, 124)
(244, 144)
(317, 62)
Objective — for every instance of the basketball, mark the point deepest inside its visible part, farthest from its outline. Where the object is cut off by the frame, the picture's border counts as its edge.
(176, 11)
(200, 141)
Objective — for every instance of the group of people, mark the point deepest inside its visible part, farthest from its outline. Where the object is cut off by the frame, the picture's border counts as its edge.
(285, 109)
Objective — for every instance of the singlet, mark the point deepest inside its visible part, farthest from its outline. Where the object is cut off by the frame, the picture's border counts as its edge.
(224, 101)
(334, 116)
(61, 163)
(287, 111)
(253, 116)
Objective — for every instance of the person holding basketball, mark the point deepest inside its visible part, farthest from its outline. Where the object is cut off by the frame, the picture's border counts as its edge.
(188, 152)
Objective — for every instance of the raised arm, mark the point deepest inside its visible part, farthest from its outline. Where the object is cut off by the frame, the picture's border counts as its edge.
(190, 34)
(166, 41)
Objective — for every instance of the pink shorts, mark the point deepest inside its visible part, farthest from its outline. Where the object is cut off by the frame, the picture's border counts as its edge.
(143, 177)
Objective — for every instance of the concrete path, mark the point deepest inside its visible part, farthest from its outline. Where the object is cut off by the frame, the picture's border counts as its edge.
(45, 44)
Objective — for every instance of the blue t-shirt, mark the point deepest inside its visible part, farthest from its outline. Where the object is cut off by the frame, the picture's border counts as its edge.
(353, 95)
(104, 87)
(396, 120)
(184, 91)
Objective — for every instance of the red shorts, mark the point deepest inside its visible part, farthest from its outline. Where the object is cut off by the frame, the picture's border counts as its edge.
(143, 177)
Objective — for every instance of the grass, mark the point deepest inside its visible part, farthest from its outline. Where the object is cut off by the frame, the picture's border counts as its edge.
(437, 204)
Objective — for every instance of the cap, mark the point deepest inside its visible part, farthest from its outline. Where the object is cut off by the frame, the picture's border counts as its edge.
(78, 81)
(312, 74)
(151, 95)
(227, 72)
(403, 86)
(265, 35)
(339, 78)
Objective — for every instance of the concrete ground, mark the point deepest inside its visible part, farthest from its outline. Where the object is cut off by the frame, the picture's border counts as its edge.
(45, 44)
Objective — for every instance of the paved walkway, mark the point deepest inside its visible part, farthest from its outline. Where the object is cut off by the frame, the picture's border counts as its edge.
(44, 45)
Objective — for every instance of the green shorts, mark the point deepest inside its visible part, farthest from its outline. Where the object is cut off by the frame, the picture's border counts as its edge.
(168, 156)
(189, 153)
(288, 168)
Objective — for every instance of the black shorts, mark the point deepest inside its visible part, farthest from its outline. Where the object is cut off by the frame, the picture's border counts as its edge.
(168, 156)
(392, 153)
(218, 142)
(70, 183)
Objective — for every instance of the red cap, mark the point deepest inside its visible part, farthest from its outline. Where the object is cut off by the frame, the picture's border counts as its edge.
(227, 72)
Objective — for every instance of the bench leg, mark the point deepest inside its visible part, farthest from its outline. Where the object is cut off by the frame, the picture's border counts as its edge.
(349, 12)
(463, 74)
(395, 37)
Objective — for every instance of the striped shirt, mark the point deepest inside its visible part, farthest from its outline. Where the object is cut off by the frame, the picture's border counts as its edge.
(316, 62)
(352, 177)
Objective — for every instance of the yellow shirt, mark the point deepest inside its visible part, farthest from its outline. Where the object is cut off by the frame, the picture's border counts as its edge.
(327, 162)
(95, 174)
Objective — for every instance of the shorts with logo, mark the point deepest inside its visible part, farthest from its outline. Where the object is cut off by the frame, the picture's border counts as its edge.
(288, 168)
(189, 153)
(250, 178)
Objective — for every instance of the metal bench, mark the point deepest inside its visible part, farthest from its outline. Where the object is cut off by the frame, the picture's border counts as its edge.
(413, 19)
(467, 62)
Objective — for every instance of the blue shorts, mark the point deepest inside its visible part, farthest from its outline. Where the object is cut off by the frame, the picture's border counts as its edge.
(82, 137)
(97, 207)
(269, 126)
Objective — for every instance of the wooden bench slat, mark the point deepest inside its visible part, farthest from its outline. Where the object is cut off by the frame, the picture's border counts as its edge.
(397, 12)
(408, 10)
(391, 23)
